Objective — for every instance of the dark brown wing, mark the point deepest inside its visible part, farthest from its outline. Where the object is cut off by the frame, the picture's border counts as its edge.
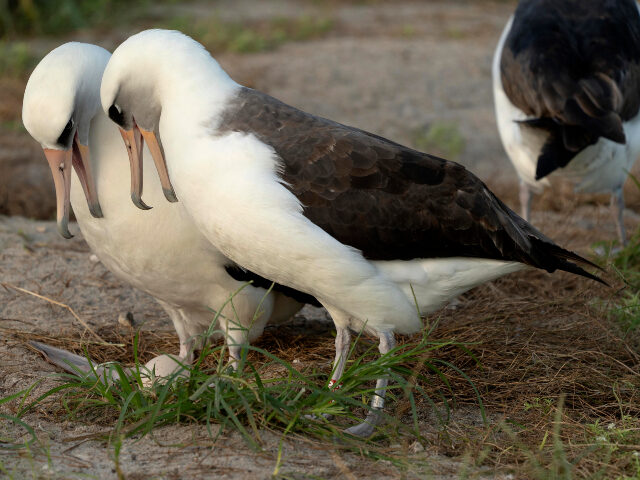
(389, 201)
(574, 67)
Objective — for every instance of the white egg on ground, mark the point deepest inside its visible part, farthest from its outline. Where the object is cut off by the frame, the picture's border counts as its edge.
(161, 368)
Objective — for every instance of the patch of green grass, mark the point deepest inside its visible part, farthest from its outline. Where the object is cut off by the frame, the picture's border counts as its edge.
(627, 311)
(16, 59)
(30, 451)
(22, 439)
(617, 443)
(625, 262)
(577, 450)
(408, 31)
(254, 397)
(53, 17)
(623, 432)
(544, 405)
(219, 36)
(442, 139)
(12, 474)
(13, 443)
(12, 126)
(455, 33)
(25, 236)
(342, 2)
(551, 460)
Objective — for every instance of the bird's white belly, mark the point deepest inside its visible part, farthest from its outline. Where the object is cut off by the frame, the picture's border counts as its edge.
(433, 282)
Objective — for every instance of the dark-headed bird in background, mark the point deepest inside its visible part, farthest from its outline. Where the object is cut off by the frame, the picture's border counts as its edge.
(566, 81)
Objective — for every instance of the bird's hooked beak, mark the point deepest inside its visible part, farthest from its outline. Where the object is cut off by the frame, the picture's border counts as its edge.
(134, 141)
(60, 162)
(82, 165)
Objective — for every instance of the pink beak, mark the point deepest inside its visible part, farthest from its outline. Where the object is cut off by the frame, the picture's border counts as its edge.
(134, 141)
(61, 162)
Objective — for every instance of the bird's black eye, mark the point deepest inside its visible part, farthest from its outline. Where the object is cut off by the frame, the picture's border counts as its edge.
(115, 114)
(65, 137)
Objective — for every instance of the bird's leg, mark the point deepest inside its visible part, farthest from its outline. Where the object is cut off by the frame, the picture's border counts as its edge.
(235, 336)
(366, 428)
(234, 355)
(617, 206)
(180, 321)
(343, 342)
(188, 350)
(525, 200)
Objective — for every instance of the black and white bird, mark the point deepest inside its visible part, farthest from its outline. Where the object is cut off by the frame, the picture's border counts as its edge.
(566, 82)
(355, 220)
(183, 271)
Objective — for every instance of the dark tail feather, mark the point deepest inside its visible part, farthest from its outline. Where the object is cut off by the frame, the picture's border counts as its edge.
(593, 112)
(541, 251)
(564, 259)
(596, 107)
(608, 125)
(554, 155)
(563, 144)
(600, 94)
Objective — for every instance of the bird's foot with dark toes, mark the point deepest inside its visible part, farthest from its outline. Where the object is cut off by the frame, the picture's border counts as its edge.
(368, 426)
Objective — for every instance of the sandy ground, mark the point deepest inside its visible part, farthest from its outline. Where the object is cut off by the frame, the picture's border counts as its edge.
(390, 69)
(35, 258)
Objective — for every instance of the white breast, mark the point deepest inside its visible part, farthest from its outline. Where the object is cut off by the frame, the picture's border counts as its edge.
(158, 251)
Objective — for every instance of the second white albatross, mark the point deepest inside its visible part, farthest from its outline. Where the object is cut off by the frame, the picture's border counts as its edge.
(188, 276)
(351, 218)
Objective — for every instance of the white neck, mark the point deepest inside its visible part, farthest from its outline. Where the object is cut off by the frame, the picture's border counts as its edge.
(197, 93)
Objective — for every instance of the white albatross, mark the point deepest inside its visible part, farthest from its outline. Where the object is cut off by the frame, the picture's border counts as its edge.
(346, 216)
(183, 271)
(566, 83)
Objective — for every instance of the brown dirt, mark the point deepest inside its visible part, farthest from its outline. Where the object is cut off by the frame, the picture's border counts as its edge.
(391, 69)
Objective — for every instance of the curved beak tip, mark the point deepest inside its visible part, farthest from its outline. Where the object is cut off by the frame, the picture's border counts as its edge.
(137, 201)
(170, 195)
(63, 230)
(96, 210)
